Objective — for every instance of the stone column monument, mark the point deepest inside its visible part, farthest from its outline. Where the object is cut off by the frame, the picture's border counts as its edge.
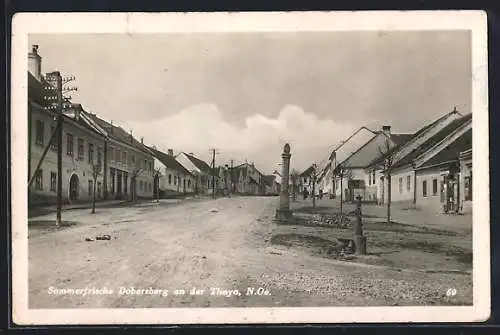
(283, 212)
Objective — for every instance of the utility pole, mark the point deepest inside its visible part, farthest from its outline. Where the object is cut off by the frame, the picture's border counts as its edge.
(58, 82)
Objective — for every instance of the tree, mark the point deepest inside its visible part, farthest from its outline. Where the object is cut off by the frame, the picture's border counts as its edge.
(96, 171)
(388, 156)
(133, 183)
(294, 176)
(157, 175)
(313, 177)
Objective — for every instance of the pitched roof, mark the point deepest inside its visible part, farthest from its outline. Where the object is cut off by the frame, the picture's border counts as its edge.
(118, 133)
(203, 166)
(452, 151)
(365, 156)
(307, 172)
(400, 139)
(169, 161)
(438, 137)
(269, 179)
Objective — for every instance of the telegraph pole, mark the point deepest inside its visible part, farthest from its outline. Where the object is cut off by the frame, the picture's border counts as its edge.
(58, 83)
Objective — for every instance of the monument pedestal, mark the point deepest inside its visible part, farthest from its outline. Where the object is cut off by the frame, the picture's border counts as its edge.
(283, 215)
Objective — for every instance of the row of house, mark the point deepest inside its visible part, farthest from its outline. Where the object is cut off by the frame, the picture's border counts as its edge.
(126, 166)
(429, 168)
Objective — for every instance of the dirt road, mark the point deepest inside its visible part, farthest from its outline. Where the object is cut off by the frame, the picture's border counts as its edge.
(208, 253)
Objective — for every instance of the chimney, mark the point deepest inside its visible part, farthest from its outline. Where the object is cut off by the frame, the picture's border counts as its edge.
(386, 129)
(191, 154)
(170, 152)
(35, 63)
(142, 140)
(131, 137)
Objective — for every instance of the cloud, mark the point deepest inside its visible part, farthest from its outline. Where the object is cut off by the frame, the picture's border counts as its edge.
(200, 127)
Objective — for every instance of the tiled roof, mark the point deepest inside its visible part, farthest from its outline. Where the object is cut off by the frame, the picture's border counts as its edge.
(204, 167)
(119, 134)
(438, 137)
(452, 151)
(365, 155)
(400, 139)
(169, 161)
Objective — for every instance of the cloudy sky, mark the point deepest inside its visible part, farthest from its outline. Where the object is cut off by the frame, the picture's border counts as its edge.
(247, 94)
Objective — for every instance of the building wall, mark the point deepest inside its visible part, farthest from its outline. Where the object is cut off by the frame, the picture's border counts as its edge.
(432, 197)
(123, 160)
(402, 185)
(44, 190)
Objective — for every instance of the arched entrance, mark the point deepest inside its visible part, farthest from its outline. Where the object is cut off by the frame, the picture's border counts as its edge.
(73, 187)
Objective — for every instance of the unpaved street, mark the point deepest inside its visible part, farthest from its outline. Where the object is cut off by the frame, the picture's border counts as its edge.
(223, 245)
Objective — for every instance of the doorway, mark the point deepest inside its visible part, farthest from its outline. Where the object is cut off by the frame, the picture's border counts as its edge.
(73, 187)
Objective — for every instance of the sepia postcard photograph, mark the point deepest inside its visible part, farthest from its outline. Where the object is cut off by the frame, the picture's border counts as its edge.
(273, 167)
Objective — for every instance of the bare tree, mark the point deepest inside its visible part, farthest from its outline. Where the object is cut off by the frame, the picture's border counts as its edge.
(388, 155)
(157, 175)
(313, 177)
(96, 171)
(133, 183)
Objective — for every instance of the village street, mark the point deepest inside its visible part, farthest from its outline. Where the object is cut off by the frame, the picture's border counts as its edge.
(206, 244)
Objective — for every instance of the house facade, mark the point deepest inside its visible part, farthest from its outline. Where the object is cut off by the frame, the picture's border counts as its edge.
(80, 144)
(271, 186)
(201, 171)
(129, 163)
(171, 178)
(327, 180)
(87, 141)
(248, 179)
(430, 174)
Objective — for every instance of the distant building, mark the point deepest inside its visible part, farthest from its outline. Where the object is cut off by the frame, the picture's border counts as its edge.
(172, 179)
(199, 169)
(271, 186)
(248, 179)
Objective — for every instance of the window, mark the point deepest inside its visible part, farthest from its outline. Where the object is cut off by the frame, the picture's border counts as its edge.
(118, 156)
(53, 143)
(39, 180)
(69, 144)
(141, 185)
(369, 179)
(133, 159)
(91, 185)
(400, 184)
(408, 183)
(53, 181)
(91, 153)
(39, 132)
(170, 179)
(80, 148)
(111, 153)
(124, 157)
(145, 164)
(175, 180)
(424, 188)
(434, 187)
(373, 177)
(99, 189)
(189, 183)
(149, 187)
